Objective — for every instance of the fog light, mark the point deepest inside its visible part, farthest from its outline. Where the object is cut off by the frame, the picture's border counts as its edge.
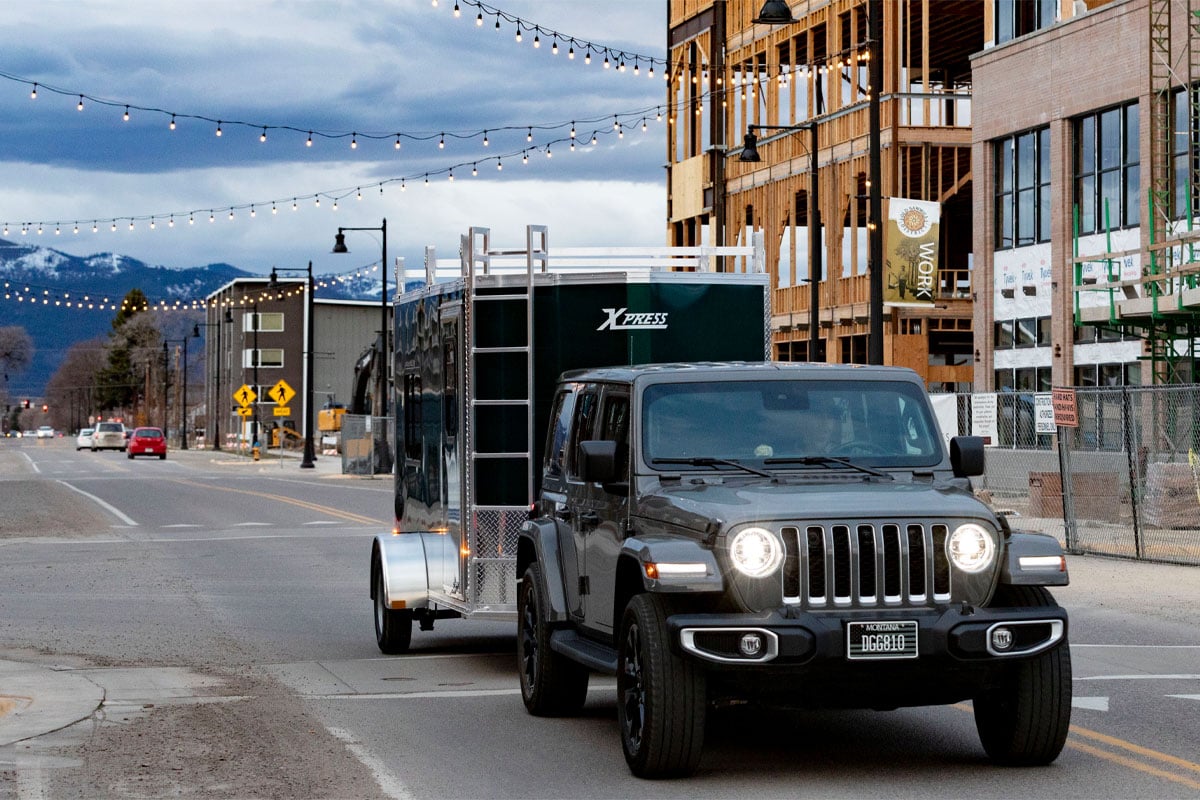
(750, 645)
(1002, 639)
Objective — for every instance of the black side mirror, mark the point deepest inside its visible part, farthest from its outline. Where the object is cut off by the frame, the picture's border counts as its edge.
(967, 456)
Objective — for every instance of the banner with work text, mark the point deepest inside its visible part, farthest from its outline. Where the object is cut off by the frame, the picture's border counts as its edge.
(910, 241)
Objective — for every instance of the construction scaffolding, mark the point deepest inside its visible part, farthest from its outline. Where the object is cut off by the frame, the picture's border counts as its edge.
(1161, 305)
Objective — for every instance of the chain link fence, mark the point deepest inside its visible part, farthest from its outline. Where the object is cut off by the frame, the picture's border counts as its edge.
(366, 444)
(1133, 462)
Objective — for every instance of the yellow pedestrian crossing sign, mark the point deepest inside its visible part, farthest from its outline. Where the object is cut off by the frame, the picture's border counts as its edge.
(281, 393)
(245, 396)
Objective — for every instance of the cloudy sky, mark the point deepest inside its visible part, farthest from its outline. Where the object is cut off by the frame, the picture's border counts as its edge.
(372, 71)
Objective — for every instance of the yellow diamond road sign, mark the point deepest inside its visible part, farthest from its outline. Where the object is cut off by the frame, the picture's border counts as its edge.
(245, 396)
(281, 393)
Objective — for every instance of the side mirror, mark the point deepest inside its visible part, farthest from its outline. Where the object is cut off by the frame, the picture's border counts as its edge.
(598, 461)
(967, 456)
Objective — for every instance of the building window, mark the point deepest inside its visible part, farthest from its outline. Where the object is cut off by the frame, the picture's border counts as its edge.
(267, 323)
(1186, 196)
(1016, 18)
(267, 357)
(1025, 332)
(1022, 182)
(1107, 173)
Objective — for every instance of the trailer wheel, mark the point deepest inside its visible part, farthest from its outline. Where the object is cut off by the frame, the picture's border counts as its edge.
(1023, 722)
(661, 697)
(552, 685)
(393, 628)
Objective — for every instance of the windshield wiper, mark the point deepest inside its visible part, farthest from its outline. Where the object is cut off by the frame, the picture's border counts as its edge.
(830, 462)
(712, 462)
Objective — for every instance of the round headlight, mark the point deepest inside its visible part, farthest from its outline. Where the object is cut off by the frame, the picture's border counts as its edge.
(755, 552)
(971, 548)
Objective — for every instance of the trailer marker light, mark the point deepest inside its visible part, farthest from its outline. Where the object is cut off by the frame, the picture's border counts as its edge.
(396, 604)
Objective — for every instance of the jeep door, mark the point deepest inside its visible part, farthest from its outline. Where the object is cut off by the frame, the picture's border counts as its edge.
(610, 505)
(573, 422)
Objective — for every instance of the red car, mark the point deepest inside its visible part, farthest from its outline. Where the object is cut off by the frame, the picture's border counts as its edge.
(147, 442)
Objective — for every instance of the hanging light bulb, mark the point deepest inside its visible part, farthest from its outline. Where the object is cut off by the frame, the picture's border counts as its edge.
(529, 135)
(518, 31)
(252, 213)
(125, 117)
(359, 193)
(80, 106)
(335, 205)
(32, 96)
(457, 11)
(231, 215)
(474, 170)
(262, 137)
(497, 22)
(354, 141)
(274, 210)
(218, 127)
(537, 40)
(635, 66)
(479, 20)
(171, 221)
(485, 139)
(554, 47)
(606, 59)
(309, 142)
(318, 201)
(294, 206)
(571, 53)
(172, 125)
(211, 216)
(651, 72)
(525, 157)
(587, 57)
(548, 153)
(572, 129)
(499, 165)
(442, 142)
(397, 141)
(452, 176)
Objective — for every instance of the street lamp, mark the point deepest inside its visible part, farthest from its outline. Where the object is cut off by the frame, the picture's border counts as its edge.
(309, 457)
(750, 153)
(381, 401)
(774, 12)
(215, 411)
(183, 445)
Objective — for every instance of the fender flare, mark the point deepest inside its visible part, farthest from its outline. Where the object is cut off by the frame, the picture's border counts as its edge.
(1042, 572)
(538, 541)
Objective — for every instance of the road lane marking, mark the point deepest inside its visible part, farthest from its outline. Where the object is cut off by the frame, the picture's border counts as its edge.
(1134, 764)
(1090, 703)
(333, 512)
(32, 463)
(389, 784)
(114, 511)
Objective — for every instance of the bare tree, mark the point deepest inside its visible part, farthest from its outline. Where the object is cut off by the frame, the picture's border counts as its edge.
(71, 390)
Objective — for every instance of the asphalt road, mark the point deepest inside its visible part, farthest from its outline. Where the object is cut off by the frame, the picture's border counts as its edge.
(220, 609)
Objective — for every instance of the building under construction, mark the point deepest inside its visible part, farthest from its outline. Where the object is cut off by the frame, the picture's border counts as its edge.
(1056, 140)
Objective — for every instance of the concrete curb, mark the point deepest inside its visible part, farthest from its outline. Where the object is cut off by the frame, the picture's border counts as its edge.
(35, 700)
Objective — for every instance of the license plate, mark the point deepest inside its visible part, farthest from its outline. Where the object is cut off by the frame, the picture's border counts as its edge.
(879, 640)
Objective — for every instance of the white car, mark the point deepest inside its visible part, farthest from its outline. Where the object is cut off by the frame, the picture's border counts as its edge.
(84, 440)
(108, 436)
(45, 432)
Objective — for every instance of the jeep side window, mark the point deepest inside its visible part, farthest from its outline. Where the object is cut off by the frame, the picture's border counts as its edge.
(556, 437)
(614, 425)
(585, 419)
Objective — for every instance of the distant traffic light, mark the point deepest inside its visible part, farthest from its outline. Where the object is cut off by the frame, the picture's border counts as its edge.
(45, 407)
(26, 404)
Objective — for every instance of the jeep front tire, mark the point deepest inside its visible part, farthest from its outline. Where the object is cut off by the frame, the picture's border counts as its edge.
(1024, 721)
(661, 697)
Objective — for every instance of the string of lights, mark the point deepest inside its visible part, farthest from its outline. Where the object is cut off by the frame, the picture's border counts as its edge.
(224, 124)
(33, 294)
(523, 26)
(571, 142)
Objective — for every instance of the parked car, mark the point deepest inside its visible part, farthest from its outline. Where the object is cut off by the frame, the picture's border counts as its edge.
(108, 436)
(83, 440)
(45, 432)
(147, 442)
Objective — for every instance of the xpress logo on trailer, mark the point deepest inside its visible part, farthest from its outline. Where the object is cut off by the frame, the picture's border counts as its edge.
(621, 319)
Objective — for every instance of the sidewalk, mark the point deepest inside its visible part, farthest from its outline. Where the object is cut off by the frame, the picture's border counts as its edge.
(37, 699)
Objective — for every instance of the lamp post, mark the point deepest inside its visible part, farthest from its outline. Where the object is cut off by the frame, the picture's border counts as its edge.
(339, 246)
(309, 457)
(750, 153)
(215, 413)
(183, 445)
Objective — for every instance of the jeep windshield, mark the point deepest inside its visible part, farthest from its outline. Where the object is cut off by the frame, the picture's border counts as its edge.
(789, 424)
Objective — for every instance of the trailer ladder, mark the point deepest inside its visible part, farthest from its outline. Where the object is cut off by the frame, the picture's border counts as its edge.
(500, 429)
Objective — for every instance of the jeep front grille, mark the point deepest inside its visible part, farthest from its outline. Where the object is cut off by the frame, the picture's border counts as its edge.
(865, 565)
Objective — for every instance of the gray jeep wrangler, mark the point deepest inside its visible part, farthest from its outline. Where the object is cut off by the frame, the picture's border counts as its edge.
(791, 534)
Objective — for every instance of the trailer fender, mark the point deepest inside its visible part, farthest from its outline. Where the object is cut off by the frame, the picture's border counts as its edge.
(538, 541)
(1034, 559)
(404, 561)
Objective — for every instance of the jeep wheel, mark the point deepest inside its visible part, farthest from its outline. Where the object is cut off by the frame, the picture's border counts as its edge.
(393, 627)
(552, 685)
(661, 699)
(1024, 721)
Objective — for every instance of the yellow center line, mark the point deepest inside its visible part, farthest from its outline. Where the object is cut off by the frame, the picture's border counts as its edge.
(1123, 760)
(333, 512)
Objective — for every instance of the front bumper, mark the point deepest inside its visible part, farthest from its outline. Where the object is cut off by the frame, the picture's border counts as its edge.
(791, 637)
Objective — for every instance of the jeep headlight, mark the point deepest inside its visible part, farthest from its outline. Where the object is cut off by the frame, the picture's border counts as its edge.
(971, 548)
(755, 552)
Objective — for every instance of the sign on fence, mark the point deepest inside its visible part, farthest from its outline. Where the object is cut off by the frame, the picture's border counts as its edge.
(1066, 411)
(983, 418)
(1043, 413)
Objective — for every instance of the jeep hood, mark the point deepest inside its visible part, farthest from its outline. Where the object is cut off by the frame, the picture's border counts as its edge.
(695, 505)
